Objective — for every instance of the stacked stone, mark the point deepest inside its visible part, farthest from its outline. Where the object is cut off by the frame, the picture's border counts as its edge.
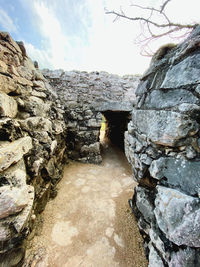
(163, 147)
(32, 145)
(86, 96)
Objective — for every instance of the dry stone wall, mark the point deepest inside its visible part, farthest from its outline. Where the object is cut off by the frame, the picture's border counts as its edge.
(163, 147)
(32, 146)
(162, 144)
(86, 96)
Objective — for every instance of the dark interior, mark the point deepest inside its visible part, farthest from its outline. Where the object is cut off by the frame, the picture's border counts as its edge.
(116, 125)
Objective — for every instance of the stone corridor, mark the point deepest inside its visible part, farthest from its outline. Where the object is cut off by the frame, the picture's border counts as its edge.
(89, 223)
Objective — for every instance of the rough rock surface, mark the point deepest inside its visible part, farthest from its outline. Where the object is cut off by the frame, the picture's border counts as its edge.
(31, 147)
(163, 146)
(86, 97)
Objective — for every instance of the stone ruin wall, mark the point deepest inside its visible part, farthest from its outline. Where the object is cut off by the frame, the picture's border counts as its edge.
(85, 97)
(32, 147)
(163, 147)
(38, 129)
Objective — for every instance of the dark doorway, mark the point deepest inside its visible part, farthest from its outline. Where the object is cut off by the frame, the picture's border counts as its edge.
(116, 125)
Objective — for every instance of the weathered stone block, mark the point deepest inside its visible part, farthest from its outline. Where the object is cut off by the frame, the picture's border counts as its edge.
(15, 175)
(186, 72)
(185, 257)
(179, 173)
(154, 258)
(36, 124)
(160, 99)
(163, 127)
(178, 216)
(7, 84)
(8, 106)
(12, 152)
(13, 200)
(144, 204)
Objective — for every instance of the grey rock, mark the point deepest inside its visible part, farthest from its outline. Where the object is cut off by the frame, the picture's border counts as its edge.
(15, 175)
(178, 216)
(185, 257)
(160, 99)
(154, 235)
(188, 108)
(114, 106)
(12, 152)
(179, 173)
(190, 153)
(154, 258)
(163, 127)
(13, 200)
(144, 204)
(142, 88)
(186, 72)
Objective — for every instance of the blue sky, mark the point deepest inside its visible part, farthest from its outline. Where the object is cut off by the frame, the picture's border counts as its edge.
(76, 34)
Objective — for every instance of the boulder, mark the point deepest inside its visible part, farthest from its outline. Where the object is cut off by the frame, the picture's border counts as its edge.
(154, 258)
(182, 174)
(8, 106)
(186, 72)
(185, 257)
(13, 200)
(12, 152)
(163, 127)
(178, 216)
(160, 99)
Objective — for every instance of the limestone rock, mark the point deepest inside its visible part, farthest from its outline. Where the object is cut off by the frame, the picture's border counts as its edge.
(7, 84)
(185, 257)
(144, 204)
(178, 216)
(22, 218)
(184, 73)
(34, 124)
(178, 173)
(8, 106)
(160, 99)
(154, 258)
(12, 152)
(15, 175)
(13, 200)
(163, 127)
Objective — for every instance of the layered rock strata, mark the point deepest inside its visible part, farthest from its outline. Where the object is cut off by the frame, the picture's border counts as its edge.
(32, 146)
(163, 147)
(86, 97)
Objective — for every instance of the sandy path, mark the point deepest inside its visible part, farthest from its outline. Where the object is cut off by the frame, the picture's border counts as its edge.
(89, 223)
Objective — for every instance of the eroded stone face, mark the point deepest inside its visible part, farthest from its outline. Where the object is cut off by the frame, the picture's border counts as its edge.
(163, 127)
(162, 145)
(182, 174)
(32, 146)
(178, 216)
(12, 152)
(86, 96)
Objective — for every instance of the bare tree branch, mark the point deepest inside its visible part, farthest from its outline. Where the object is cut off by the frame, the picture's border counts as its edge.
(164, 5)
(170, 24)
(151, 28)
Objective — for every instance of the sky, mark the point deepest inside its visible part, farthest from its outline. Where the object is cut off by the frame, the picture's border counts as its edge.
(78, 35)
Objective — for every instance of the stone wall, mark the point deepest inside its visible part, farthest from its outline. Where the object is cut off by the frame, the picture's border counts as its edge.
(162, 144)
(86, 96)
(32, 146)
(163, 147)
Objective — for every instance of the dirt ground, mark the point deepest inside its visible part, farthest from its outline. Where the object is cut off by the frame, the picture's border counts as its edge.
(89, 223)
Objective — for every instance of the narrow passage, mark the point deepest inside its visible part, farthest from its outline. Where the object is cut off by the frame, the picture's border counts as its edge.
(89, 223)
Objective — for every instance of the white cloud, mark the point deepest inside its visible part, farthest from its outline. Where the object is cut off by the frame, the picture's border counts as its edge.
(41, 56)
(6, 22)
(82, 37)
